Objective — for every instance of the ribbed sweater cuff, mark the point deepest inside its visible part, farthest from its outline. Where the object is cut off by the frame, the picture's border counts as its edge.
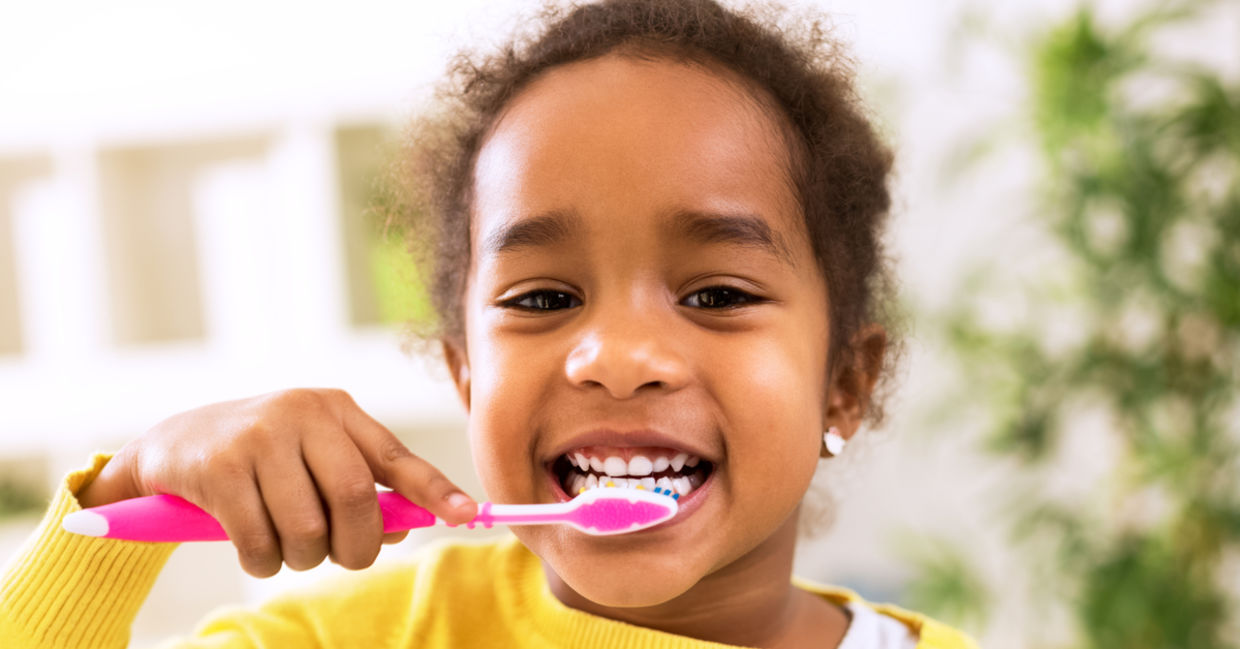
(67, 590)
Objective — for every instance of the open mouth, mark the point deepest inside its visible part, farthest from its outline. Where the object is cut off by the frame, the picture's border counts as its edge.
(636, 468)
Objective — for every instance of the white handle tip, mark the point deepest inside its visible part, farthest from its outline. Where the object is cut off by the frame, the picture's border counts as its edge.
(85, 522)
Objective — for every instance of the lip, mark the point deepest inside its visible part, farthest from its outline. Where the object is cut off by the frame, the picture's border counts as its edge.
(635, 438)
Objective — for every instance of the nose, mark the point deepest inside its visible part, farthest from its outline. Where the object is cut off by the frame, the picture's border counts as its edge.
(626, 356)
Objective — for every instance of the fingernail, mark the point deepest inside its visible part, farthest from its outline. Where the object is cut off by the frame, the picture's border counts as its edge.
(457, 500)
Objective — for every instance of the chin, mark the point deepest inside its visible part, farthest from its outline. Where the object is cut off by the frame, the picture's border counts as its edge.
(624, 586)
(611, 572)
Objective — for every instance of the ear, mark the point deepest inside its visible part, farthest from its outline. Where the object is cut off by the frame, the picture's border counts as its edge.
(458, 364)
(850, 388)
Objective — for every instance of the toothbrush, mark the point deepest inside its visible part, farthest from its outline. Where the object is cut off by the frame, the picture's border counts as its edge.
(171, 519)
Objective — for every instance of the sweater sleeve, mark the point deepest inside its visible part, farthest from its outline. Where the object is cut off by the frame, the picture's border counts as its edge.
(64, 590)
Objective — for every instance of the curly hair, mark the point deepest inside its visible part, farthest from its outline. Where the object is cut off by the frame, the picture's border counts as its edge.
(839, 166)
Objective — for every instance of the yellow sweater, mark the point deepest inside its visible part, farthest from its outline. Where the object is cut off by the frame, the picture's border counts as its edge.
(67, 591)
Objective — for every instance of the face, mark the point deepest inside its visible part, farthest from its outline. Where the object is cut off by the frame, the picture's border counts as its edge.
(643, 301)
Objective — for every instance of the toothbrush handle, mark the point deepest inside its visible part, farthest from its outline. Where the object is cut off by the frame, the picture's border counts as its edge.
(399, 514)
(158, 519)
(171, 519)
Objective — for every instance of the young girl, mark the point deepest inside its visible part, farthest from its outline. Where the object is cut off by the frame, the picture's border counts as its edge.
(656, 238)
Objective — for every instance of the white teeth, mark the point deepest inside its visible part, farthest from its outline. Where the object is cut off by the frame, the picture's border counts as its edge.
(615, 466)
(640, 465)
(637, 472)
(682, 486)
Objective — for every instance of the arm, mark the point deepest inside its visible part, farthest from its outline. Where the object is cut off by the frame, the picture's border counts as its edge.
(66, 590)
(289, 475)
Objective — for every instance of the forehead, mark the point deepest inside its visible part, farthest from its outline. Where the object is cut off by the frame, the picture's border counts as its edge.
(623, 138)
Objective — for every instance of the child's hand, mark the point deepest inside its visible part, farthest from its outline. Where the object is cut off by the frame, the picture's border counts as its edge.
(290, 475)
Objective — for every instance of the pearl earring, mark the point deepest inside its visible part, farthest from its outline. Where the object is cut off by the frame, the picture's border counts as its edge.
(832, 442)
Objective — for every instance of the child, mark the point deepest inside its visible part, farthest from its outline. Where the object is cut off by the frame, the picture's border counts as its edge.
(657, 240)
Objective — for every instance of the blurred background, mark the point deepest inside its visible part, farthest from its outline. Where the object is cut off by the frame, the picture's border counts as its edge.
(183, 195)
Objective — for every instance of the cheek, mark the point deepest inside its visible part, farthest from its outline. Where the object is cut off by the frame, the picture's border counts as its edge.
(504, 393)
(776, 407)
(782, 383)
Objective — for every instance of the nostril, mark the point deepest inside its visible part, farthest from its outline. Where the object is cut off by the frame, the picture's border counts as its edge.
(623, 365)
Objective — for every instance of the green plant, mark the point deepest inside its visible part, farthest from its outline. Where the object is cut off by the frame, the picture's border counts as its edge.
(19, 499)
(1140, 208)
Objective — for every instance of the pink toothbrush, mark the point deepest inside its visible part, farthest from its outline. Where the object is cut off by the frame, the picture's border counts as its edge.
(170, 519)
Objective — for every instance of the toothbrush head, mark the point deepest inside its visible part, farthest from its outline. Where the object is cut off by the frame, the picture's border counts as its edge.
(604, 511)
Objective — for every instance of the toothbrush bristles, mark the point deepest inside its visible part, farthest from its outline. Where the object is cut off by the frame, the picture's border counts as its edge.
(658, 490)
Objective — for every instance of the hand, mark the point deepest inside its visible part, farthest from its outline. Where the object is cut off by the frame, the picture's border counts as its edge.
(290, 476)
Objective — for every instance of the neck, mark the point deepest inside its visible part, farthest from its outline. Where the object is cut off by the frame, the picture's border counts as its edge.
(750, 602)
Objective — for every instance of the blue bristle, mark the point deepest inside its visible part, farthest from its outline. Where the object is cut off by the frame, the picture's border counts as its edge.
(676, 497)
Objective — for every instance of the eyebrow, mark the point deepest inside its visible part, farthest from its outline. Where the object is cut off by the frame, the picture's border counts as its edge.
(736, 229)
(555, 227)
(543, 230)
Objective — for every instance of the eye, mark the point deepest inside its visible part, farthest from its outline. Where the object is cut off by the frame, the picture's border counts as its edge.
(543, 301)
(719, 297)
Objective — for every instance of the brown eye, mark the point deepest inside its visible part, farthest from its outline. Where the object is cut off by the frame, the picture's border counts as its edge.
(718, 297)
(543, 301)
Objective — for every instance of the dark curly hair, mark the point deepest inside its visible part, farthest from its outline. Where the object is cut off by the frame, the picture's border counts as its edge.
(839, 166)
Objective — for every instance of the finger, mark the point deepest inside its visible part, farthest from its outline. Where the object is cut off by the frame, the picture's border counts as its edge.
(392, 538)
(347, 488)
(395, 466)
(244, 518)
(292, 501)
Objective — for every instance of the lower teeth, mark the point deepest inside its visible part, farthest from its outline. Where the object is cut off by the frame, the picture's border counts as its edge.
(577, 482)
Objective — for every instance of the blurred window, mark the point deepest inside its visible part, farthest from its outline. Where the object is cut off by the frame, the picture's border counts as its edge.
(147, 209)
(15, 173)
(380, 274)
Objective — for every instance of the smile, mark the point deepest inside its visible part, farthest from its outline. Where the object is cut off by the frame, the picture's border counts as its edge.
(646, 468)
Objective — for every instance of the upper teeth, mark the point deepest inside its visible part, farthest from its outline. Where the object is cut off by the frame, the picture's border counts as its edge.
(638, 465)
(615, 466)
